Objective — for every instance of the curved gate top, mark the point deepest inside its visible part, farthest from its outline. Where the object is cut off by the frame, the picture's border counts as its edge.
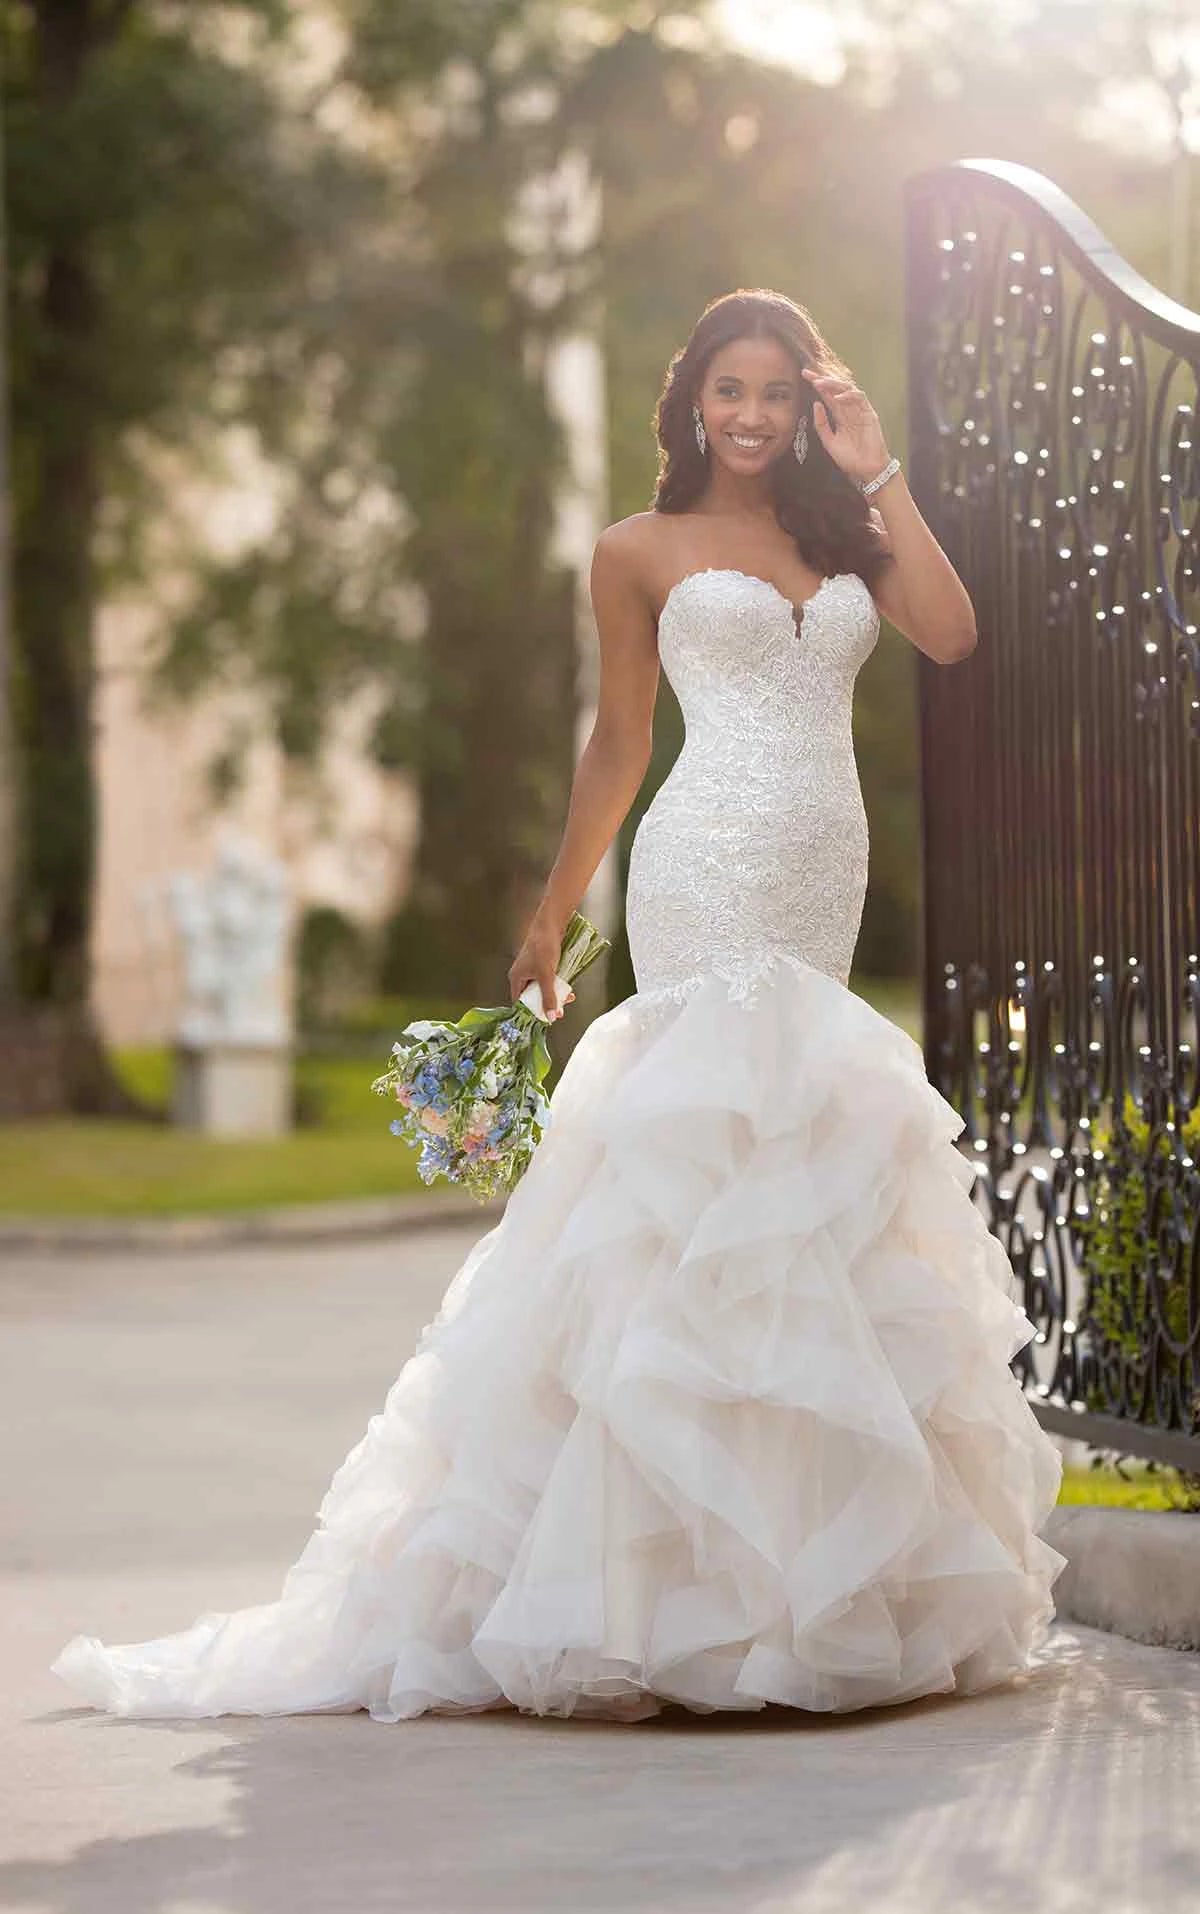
(1054, 450)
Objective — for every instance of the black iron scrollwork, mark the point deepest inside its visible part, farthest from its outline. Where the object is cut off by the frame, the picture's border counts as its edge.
(1054, 449)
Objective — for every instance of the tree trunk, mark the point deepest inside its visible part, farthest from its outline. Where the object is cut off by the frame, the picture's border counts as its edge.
(54, 610)
(9, 824)
(499, 653)
(493, 798)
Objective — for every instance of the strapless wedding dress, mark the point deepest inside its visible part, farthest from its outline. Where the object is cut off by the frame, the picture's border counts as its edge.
(721, 1410)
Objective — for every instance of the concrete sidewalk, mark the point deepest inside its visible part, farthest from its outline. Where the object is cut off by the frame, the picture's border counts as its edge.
(172, 1424)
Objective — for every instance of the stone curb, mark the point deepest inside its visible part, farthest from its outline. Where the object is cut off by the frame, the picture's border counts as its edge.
(291, 1223)
(1134, 1572)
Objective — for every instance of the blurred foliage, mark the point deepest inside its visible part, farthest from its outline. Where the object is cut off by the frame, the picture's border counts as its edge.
(172, 227)
(146, 1070)
(333, 963)
(215, 233)
(371, 1021)
(1137, 1252)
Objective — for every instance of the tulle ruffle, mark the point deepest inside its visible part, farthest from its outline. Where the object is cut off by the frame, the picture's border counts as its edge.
(720, 1412)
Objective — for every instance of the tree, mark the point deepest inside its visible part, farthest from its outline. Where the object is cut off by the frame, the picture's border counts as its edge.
(8, 770)
(168, 212)
(447, 419)
(476, 456)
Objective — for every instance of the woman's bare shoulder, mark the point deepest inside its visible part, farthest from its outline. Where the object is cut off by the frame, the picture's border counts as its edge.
(635, 549)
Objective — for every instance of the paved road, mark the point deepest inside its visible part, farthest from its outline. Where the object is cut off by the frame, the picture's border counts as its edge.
(171, 1425)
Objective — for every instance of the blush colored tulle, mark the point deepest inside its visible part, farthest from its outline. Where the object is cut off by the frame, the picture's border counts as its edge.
(719, 1412)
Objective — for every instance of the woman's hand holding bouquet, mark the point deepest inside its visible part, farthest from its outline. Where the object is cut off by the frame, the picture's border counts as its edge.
(471, 1092)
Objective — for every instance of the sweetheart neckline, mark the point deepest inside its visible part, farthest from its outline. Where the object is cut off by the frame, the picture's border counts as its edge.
(732, 571)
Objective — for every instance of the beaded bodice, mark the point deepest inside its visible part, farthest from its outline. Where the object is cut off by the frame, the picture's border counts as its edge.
(756, 840)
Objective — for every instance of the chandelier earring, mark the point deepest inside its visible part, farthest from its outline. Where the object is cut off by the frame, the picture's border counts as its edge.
(701, 434)
(800, 441)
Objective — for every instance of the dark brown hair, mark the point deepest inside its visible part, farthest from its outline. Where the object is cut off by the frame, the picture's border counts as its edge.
(816, 504)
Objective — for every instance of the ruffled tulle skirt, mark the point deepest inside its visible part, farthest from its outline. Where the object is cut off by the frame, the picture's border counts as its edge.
(720, 1412)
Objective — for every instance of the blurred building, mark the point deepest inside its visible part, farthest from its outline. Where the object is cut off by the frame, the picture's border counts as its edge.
(346, 838)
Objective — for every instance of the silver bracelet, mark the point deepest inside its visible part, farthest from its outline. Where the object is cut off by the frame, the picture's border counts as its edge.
(893, 465)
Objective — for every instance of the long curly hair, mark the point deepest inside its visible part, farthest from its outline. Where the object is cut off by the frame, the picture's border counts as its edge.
(816, 504)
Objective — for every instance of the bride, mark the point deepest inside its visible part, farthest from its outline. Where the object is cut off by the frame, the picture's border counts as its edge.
(721, 1411)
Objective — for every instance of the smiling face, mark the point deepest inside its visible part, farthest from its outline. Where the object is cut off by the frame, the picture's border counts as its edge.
(750, 402)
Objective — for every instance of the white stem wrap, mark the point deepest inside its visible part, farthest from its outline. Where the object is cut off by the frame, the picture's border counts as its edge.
(531, 996)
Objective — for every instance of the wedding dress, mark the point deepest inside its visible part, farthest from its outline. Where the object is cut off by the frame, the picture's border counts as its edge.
(720, 1411)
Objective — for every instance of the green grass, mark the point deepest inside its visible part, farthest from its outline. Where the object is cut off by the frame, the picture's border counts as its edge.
(122, 1169)
(97, 1167)
(1136, 1488)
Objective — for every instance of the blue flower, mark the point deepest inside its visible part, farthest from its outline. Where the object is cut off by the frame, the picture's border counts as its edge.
(428, 1091)
(437, 1153)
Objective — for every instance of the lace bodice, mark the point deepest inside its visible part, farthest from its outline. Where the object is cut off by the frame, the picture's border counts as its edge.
(756, 841)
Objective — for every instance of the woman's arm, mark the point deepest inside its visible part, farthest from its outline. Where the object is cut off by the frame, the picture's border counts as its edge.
(615, 758)
(919, 591)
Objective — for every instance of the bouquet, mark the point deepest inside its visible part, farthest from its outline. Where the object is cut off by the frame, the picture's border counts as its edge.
(471, 1092)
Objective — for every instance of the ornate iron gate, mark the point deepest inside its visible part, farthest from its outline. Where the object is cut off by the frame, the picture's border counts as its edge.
(1054, 450)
